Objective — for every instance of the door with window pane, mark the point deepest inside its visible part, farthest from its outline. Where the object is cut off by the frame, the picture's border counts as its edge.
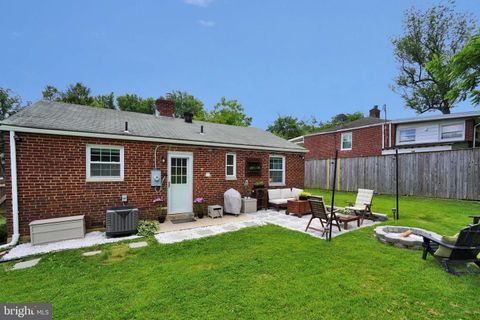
(179, 183)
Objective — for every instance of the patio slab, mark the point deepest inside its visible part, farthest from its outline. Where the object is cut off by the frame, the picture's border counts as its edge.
(91, 253)
(135, 245)
(25, 264)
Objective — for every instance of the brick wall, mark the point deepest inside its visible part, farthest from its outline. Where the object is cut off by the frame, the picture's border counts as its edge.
(365, 142)
(469, 125)
(52, 169)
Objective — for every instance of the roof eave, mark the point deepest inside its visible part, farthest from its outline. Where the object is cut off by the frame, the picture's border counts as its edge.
(8, 127)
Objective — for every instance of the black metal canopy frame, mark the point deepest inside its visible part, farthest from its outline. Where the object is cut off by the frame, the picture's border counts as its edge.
(333, 195)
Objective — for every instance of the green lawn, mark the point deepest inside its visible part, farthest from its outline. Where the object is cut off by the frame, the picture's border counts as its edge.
(264, 272)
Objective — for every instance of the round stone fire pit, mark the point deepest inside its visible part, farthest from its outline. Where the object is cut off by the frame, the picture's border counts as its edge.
(391, 235)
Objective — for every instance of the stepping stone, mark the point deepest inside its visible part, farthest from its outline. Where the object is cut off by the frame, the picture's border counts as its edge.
(135, 245)
(91, 253)
(26, 264)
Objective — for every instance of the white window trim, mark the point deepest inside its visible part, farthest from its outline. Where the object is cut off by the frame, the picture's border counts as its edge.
(451, 124)
(103, 179)
(351, 141)
(234, 176)
(284, 164)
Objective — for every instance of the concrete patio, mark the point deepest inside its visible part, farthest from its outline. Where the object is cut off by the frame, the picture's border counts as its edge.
(206, 227)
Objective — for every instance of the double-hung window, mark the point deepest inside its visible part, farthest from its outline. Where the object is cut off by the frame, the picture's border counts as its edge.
(231, 166)
(408, 135)
(346, 141)
(104, 163)
(452, 131)
(277, 170)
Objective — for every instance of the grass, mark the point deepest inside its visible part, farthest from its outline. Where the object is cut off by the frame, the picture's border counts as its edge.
(264, 272)
(3, 225)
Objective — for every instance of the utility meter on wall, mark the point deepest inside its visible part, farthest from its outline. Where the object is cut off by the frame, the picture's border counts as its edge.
(156, 178)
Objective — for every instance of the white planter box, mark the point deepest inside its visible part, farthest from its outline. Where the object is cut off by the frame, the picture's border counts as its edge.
(57, 229)
(249, 205)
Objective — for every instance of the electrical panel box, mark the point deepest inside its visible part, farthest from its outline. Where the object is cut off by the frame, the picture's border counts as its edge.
(156, 178)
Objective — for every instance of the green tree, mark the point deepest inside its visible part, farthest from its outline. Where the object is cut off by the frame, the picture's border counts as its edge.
(9, 103)
(228, 112)
(287, 127)
(438, 32)
(185, 102)
(77, 94)
(51, 93)
(134, 103)
(339, 120)
(106, 101)
(465, 70)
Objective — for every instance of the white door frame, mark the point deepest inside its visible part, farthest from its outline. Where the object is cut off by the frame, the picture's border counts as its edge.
(189, 155)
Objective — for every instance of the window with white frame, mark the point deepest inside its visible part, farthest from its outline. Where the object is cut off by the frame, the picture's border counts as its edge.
(452, 131)
(347, 141)
(104, 163)
(231, 166)
(408, 135)
(277, 170)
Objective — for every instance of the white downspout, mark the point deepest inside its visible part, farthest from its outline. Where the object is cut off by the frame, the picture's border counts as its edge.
(13, 172)
(390, 134)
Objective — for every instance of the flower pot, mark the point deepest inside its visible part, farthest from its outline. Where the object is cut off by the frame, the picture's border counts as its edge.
(200, 215)
(161, 218)
(258, 187)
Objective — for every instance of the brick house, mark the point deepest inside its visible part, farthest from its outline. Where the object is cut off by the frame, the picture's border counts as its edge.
(373, 136)
(64, 159)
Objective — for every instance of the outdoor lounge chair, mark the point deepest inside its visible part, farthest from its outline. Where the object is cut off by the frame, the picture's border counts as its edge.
(363, 204)
(319, 211)
(466, 248)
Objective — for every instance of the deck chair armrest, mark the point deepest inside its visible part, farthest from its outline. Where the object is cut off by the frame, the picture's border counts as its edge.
(446, 245)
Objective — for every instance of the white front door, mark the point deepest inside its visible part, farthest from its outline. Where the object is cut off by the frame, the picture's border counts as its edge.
(180, 182)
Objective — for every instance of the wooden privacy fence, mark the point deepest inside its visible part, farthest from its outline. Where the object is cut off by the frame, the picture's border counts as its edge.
(444, 174)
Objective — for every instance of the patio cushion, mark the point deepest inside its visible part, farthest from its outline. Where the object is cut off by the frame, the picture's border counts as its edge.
(296, 192)
(274, 194)
(444, 251)
(287, 193)
(356, 208)
(278, 201)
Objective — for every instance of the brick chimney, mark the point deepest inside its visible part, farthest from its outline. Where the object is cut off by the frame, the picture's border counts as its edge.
(374, 112)
(165, 108)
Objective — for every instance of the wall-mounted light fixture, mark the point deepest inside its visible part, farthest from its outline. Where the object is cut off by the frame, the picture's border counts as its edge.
(163, 159)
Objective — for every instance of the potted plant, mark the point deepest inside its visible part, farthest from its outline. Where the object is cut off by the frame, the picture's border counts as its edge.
(304, 195)
(161, 214)
(259, 185)
(199, 206)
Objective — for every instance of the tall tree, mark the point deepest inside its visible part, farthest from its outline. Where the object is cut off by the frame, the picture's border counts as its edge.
(51, 93)
(185, 102)
(9, 103)
(106, 101)
(77, 94)
(437, 32)
(229, 112)
(465, 69)
(134, 103)
(287, 127)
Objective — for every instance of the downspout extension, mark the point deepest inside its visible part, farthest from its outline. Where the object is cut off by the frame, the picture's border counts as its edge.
(13, 171)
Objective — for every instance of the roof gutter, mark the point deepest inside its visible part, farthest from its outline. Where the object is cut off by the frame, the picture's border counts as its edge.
(13, 171)
(142, 138)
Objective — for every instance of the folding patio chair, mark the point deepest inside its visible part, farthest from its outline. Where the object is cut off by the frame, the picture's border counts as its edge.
(319, 211)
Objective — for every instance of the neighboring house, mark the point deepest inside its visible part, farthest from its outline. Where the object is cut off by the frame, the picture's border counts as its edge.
(372, 136)
(73, 159)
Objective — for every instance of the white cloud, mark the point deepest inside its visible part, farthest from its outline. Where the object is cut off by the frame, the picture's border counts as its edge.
(198, 3)
(206, 23)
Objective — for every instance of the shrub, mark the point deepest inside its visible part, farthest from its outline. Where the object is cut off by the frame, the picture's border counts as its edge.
(147, 228)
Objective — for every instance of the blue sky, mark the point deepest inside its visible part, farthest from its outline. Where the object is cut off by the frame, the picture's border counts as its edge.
(297, 58)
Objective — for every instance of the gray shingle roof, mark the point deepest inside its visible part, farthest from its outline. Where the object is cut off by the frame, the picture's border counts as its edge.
(85, 119)
(367, 121)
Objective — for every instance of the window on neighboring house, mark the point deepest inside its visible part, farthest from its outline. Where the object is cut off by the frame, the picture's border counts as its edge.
(347, 141)
(452, 131)
(407, 135)
(277, 170)
(104, 163)
(231, 166)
